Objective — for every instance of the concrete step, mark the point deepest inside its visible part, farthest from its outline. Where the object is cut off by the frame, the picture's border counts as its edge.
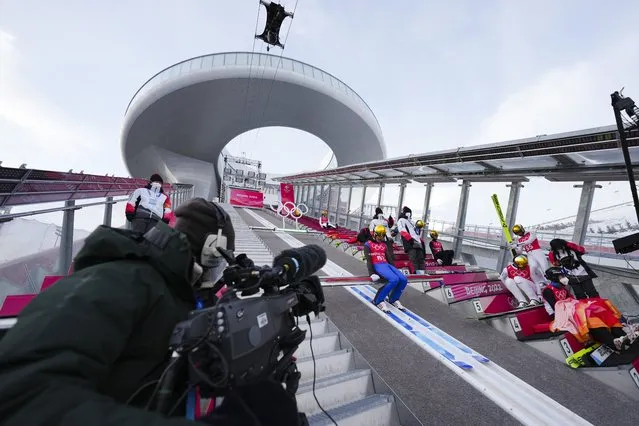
(326, 365)
(318, 327)
(374, 410)
(323, 344)
(335, 391)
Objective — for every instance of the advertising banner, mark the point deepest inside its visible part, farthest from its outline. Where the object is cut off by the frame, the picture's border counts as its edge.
(287, 193)
(246, 198)
(460, 292)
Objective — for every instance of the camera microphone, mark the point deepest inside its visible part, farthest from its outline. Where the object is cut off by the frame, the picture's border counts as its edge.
(300, 263)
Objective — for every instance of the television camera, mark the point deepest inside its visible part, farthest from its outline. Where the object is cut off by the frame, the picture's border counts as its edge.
(241, 339)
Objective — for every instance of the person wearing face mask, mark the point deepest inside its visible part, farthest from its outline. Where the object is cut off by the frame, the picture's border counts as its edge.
(90, 349)
(411, 240)
(148, 205)
(568, 255)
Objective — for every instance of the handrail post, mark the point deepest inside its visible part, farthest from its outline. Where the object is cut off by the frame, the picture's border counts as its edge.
(108, 212)
(66, 239)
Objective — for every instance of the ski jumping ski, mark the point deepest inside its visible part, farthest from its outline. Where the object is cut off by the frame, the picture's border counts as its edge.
(359, 290)
(451, 340)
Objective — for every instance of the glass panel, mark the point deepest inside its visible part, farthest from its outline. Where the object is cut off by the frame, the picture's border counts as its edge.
(366, 174)
(371, 203)
(390, 173)
(612, 156)
(254, 60)
(524, 163)
(333, 198)
(343, 201)
(421, 171)
(414, 198)
(315, 197)
(285, 64)
(356, 200)
(390, 196)
(242, 59)
(461, 167)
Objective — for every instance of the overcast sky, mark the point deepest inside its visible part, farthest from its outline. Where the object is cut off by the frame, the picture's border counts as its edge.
(438, 75)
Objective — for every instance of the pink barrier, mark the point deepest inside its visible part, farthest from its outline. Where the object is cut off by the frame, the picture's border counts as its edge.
(49, 280)
(469, 277)
(13, 305)
(453, 269)
(497, 304)
(466, 291)
(530, 323)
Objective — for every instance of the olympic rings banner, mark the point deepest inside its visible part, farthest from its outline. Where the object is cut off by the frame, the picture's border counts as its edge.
(290, 210)
(287, 193)
(246, 198)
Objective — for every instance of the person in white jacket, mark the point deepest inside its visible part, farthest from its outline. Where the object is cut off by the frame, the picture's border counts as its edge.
(412, 240)
(528, 244)
(148, 205)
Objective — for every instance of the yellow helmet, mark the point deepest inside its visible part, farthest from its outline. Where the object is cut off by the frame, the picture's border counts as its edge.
(380, 231)
(419, 224)
(520, 261)
(434, 234)
(518, 229)
(297, 213)
(325, 212)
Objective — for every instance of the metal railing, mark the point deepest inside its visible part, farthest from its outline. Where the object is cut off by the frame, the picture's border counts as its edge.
(23, 273)
(242, 59)
(22, 186)
(597, 245)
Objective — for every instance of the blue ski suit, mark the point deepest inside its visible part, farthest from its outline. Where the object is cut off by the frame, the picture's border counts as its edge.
(376, 254)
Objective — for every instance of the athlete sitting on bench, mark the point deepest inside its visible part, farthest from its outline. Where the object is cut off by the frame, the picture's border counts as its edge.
(593, 319)
(443, 257)
(377, 255)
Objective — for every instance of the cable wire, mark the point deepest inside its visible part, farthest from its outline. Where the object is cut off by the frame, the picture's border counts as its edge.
(248, 84)
(310, 343)
(279, 62)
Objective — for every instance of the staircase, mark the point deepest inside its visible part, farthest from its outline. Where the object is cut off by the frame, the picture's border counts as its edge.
(247, 241)
(345, 384)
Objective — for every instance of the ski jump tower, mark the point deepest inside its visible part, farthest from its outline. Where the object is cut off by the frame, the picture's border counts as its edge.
(180, 120)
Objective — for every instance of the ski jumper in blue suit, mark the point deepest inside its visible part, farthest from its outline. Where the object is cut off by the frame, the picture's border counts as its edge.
(376, 254)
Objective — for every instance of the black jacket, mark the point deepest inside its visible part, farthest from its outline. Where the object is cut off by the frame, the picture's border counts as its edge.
(82, 348)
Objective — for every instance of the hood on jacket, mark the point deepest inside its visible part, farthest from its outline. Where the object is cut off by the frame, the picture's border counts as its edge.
(165, 249)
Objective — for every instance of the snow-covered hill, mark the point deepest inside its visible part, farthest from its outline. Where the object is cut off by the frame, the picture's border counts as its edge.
(613, 222)
(22, 237)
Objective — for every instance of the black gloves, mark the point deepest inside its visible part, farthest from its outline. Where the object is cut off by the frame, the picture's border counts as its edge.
(268, 402)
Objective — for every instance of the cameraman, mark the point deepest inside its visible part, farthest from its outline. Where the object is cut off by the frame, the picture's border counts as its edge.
(91, 349)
